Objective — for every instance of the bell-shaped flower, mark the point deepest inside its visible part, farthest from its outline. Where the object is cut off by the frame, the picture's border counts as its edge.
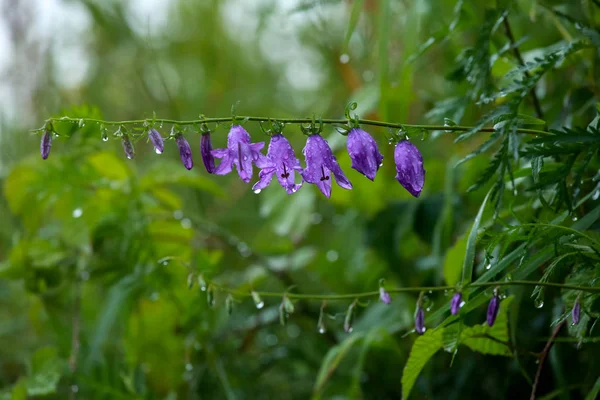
(492, 311)
(455, 303)
(420, 320)
(46, 144)
(364, 153)
(241, 153)
(283, 162)
(127, 146)
(185, 151)
(205, 150)
(409, 167)
(320, 163)
(157, 140)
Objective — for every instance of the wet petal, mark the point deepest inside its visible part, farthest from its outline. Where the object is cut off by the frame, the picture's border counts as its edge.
(364, 153)
(409, 167)
(46, 144)
(492, 311)
(206, 151)
(156, 140)
(320, 162)
(185, 151)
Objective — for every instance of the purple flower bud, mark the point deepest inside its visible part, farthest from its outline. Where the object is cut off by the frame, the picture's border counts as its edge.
(205, 150)
(384, 296)
(156, 140)
(420, 321)
(364, 153)
(185, 152)
(409, 167)
(492, 311)
(576, 312)
(45, 144)
(128, 146)
(455, 303)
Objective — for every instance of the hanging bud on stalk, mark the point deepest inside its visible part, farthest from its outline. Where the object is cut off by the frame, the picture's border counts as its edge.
(321, 327)
(210, 295)
(229, 304)
(493, 307)
(257, 300)
(349, 317)
(455, 304)
(420, 320)
(384, 296)
(205, 150)
(46, 143)
(364, 153)
(127, 146)
(576, 312)
(156, 140)
(185, 151)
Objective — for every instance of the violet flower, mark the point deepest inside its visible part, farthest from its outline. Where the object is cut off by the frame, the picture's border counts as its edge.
(46, 144)
(320, 161)
(205, 150)
(185, 152)
(127, 146)
(364, 153)
(409, 167)
(156, 140)
(420, 321)
(455, 303)
(384, 296)
(282, 161)
(492, 311)
(576, 312)
(241, 153)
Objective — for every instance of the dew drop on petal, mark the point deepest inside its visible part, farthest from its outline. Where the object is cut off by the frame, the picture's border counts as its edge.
(257, 191)
(157, 151)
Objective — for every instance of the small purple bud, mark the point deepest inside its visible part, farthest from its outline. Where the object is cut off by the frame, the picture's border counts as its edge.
(384, 296)
(205, 150)
(576, 312)
(409, 167)
(156, 140)
(492, 311)
(420, 321)
(364, 153)
(455, 303)
(128, 147)
(45, 144)
(184, 151)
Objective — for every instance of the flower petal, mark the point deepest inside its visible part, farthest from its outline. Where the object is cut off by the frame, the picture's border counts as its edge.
(409, 167)
(206, 151)
(364, 153)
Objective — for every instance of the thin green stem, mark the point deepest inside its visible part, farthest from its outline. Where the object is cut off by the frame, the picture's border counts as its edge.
(329, 121)
(352, 296)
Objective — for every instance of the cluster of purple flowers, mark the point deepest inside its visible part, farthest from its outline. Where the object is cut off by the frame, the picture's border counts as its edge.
(281, 161)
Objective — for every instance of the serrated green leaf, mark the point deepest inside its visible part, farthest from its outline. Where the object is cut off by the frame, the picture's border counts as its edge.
(454, 260)
(490, 340)
(423, 349)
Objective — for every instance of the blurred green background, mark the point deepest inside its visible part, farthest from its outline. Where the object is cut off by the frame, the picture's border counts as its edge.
(86, 308)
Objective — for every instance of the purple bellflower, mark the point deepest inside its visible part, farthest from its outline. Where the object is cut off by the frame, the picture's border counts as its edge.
(420, 320)
(320, 163)
(455, 303)
(492, 311)
(157, 140)
(205, 150)
(384, 296)
(241, 153)
(46, 144)
(576, 312)
(127, 146)
(185, 152)
(364, 153)
(283, 162)
(409, 167)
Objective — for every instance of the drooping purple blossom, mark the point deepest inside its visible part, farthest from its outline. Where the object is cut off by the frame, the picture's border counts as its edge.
(46, 144)
(420, 320)
(576, 312)
(241, 153)
(409, 167)
(127, 146)
(320, 163)
(205, 150)
(455, 303)
(157, 140)
(492, 311)
(185, 151)
(384, 296)
(364, 153)
(283, 162)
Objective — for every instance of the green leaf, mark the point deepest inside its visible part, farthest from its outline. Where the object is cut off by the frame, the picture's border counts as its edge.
(423, 349)
(357, 7)
(593, 394)
(467, 271)
(174, 173)
(455, 257)
(109, 165)
(46, 370)
(332, 360)
(490, 340)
